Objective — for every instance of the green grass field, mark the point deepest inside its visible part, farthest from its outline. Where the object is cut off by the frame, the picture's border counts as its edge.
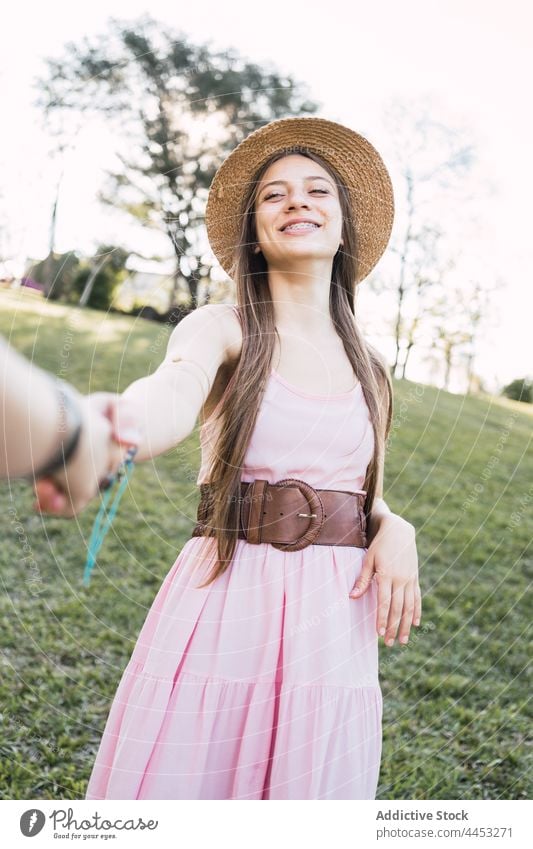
(456, 716)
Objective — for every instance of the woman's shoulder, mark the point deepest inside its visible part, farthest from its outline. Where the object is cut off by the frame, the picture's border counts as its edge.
(226, 316)
(232, 330)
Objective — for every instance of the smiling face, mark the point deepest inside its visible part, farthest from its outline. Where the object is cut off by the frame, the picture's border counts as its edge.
(295, 189)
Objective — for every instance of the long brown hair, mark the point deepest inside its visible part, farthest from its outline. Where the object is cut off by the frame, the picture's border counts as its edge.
(246, 387)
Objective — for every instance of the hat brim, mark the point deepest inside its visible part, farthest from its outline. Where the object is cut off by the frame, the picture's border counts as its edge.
(357, 162)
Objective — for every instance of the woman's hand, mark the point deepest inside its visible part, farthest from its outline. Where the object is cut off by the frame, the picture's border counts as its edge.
(99, 454)
(393, 558)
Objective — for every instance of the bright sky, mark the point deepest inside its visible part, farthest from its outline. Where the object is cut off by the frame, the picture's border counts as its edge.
(472, 59)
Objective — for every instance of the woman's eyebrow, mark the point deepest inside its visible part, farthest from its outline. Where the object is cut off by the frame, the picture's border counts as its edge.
(312, 177)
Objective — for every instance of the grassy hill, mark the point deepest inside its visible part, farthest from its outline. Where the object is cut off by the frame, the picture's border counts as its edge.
(455, 698)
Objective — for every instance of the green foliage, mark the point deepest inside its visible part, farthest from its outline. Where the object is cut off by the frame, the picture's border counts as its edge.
(519, 390)
(456, 721)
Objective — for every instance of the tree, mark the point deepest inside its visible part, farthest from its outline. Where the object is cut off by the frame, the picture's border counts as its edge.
(182, 109)
(63, 137)
(426, 279)
(454, 316)
(431, 160)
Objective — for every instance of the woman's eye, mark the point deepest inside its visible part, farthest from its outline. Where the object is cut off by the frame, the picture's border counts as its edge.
(273, 194)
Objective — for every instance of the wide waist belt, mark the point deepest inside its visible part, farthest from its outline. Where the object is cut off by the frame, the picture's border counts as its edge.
(291, 514)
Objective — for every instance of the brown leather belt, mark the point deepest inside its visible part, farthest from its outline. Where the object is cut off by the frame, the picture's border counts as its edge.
(291, 514)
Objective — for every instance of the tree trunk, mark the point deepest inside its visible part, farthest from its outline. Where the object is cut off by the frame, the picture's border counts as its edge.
(469, 373)
(409, 347)
(87, 289)
(448, 357)
(49, 282)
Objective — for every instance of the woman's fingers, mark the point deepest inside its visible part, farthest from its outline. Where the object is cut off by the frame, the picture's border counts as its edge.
(365, 577)
(126, 418)
(407, 613)
(122, 413)
(395, 612)
(53, 501)
(417, 614)
(49, 498)
(383, 603)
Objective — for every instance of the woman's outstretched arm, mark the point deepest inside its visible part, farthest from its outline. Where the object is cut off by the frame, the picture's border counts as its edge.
(167, 403)
(157, 412)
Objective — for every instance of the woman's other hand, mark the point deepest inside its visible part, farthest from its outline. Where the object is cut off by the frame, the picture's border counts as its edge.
(392, 557)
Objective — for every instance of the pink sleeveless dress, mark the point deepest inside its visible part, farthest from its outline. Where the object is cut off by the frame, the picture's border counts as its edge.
(263, 685)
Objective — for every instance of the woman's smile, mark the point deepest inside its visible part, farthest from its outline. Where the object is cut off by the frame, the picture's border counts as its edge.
(299, 229)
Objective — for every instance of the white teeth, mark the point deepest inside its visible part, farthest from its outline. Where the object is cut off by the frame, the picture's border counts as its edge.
(303, 225)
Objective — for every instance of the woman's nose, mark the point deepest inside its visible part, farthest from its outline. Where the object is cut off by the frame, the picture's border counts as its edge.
(297, 199)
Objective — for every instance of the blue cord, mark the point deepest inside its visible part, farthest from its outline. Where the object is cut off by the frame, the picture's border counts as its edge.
(104, 519)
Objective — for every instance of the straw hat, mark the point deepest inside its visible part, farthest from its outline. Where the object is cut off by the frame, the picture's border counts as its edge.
(358, 163)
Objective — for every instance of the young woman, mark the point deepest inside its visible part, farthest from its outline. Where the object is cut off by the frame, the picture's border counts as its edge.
(255, 675)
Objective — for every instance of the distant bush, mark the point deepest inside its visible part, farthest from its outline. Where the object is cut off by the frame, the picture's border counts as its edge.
(109, 262)
(519, 390)
(55, 274)
(172, 316)
(103, 290)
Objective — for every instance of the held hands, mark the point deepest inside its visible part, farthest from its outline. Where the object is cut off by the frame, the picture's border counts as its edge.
(103, 445)
(392, 556)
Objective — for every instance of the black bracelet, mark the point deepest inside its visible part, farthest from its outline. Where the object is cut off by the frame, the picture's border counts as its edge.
(69, 409)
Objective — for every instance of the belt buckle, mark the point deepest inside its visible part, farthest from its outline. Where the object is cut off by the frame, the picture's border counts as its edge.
(316, 514)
